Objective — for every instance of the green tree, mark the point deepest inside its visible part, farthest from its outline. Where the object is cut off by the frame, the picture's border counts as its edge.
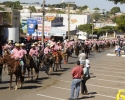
(2, 9)
(120, 21)
(106, 29)
(32, 9)
(115, 10)
(95, 16)
(83, 7)
(96, 9)
(117, 1)
(15, 5)
(85, 28)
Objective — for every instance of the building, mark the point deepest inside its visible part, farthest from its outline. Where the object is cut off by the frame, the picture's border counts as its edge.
(9, 21)
(59, 26)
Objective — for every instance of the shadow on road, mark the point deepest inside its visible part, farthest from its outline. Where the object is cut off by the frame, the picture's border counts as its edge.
(92, 92)
(56, 74)
(30, 87)
(85, 97)
(2, 88)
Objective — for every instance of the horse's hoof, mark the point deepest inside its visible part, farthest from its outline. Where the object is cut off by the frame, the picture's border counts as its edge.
(9, 88)
(15, 87)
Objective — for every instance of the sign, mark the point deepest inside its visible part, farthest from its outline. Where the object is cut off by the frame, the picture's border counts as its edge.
(31, 26)
(46, 28)
(1, 19)
(74, 21)
(50, 18)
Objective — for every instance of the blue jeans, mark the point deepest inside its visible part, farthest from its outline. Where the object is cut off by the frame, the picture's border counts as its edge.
(22, 64)
(75, 85)
(119, 53)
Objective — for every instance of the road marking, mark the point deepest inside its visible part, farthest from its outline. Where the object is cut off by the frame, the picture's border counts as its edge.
(107, 68)
(109, 75)
(108, 71)
(50, 97)
(94, 94)
(107, 80)
(95, 85)
(111, 54)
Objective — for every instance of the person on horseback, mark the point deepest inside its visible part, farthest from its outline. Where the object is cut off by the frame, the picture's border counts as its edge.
(18, 55)
(34, 54)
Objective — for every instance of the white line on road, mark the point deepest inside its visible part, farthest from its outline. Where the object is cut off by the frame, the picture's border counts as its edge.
(95, 85)
(108, 68)
(107, 80)
(109, 75)
(108, 71)
(50, 97)
(94, 94)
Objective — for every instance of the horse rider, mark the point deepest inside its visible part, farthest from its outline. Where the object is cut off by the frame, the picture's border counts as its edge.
(8, 47)
(18, 55)
(34, 53)
(52, 41)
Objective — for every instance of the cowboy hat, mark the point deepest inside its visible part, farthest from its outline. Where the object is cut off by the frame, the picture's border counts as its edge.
(9, 41)
(22, 44)
(17, 44)
(33, 45)
(52, 38)
(58, 42)
(51, 45)
(48, 44)
(67, 40)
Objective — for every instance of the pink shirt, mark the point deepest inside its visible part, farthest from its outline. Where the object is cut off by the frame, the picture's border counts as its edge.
(16, 54)
(33, 52)
(47, 50)
(24, 51)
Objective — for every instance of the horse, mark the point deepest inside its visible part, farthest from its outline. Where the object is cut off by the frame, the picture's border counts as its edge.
(6, 53)
(87, 50)
(15, 68)
(76, 48)
(66, 54)
(34, 63)
(95, 47)
(58, 59)
(1, 67)
(48, 63)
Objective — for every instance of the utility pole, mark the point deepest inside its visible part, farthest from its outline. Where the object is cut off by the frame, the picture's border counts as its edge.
(69, 17)
(43, 13)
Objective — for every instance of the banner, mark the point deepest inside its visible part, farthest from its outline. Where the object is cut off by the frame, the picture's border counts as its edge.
(31, 26)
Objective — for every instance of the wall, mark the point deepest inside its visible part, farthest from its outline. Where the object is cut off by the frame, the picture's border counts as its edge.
(16, 19)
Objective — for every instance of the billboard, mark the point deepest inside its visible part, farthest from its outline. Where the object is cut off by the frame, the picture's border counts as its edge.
(31, 26)
(47, 27)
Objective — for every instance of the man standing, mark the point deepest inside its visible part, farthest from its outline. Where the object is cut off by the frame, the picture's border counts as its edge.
(82, 56)
(77, 74)
(84, 90)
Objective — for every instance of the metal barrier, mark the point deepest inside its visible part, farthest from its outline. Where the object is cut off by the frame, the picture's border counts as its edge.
(120, 96)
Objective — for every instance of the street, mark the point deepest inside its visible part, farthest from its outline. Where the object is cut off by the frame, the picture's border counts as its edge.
(107, 77)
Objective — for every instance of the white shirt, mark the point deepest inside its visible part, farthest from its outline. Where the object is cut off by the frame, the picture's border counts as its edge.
(87, 63)
(82, 56)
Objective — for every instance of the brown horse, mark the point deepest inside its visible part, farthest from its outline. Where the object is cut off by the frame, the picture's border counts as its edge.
(1, 67)
(66, 54)
(58, 59)
(33, 64)
(76, 48)
(14, 68)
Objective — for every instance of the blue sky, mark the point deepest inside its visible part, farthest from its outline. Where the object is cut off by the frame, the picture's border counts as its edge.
(102, 4)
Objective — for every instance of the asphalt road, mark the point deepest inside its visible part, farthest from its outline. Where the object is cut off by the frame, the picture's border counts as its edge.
(107, 77)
